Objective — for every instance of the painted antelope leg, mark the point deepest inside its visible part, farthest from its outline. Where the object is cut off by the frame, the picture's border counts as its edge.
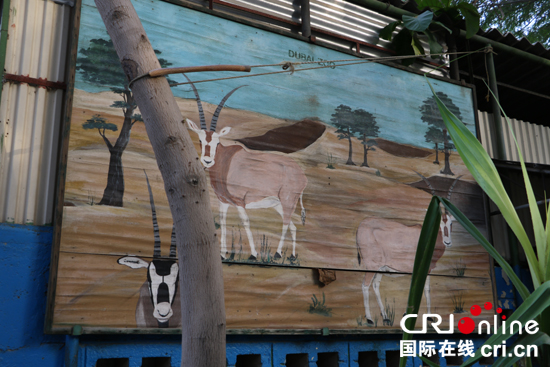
(249, 180)
(387, 246)
(159, 303)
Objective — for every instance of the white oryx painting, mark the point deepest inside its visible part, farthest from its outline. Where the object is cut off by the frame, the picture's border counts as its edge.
(319, 183)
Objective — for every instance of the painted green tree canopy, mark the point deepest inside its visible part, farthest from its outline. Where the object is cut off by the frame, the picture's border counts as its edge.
(343, 120)
(366, 128)
(358, 124)
(99, 64)
(437, 132)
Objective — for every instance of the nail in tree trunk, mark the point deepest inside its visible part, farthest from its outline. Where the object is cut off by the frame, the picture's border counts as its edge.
(201, 280)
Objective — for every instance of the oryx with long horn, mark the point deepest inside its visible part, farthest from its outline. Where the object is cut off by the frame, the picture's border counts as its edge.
(159, 302)
(249, 180)
(387, 246)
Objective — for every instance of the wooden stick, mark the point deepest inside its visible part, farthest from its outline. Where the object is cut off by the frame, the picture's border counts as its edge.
(193, 69)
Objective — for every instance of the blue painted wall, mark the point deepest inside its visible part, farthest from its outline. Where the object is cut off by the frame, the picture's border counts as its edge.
(24, 265)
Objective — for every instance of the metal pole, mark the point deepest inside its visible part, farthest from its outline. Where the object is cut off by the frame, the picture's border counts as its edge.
(71, 347)
(501, 154)
(306, 23)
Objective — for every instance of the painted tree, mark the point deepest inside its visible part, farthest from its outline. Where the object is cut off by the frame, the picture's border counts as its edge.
(344, 121)
(431, 115)
(99, 64)
(366, 128)
(434, 135)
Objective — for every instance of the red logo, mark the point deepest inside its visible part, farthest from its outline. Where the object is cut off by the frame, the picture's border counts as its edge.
(466, 325)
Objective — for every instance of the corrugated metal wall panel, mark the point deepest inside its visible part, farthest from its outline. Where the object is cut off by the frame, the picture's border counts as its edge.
(533, 140)
(534, 143)
(30, 116)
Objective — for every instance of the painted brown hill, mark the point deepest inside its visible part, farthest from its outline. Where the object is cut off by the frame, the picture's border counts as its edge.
(467, 196)
(402, 150)
(287, 139)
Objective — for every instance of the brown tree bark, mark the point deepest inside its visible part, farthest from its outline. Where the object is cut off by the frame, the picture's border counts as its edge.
(113, 194)
(201, 280)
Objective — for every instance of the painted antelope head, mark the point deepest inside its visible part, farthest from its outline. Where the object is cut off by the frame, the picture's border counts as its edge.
(158, 295)
(447, 219)
(209, 138)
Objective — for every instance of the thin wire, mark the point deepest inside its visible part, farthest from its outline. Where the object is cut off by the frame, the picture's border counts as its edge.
(328, 64)
(291, 71)
(387, 58)
(344, 62)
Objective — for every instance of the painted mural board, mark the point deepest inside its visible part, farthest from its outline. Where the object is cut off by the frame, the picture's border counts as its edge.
(323, 171)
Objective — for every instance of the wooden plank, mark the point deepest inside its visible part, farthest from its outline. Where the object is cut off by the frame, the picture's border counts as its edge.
(62, 168)
(94, 291)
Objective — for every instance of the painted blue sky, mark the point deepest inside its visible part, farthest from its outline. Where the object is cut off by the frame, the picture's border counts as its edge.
(187, 38)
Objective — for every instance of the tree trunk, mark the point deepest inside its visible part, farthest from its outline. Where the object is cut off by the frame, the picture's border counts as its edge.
(447, 152)
(113, 194)
(436, 154)
(447, 169)
(365, 152)
(350, 161)
(114, 191)
(201, 279)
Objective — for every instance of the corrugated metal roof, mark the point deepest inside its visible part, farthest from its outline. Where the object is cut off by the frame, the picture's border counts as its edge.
(523, 85)
(30, 115)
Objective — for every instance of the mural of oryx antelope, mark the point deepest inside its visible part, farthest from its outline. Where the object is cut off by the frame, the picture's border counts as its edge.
(387, 246)
(249, 180)
(159, 302)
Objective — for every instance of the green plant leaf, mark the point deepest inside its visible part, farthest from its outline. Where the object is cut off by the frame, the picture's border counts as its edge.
(418, 23)
(485, 173)
(471, 16)
(417, 45)
(442, 26)
(538, 227)
(428, 362)
(435, 47)
(421, 267)
(547, 275)
(432, 4)
(387, 32)
(530, 309)
(537, 339)
(472, 229)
